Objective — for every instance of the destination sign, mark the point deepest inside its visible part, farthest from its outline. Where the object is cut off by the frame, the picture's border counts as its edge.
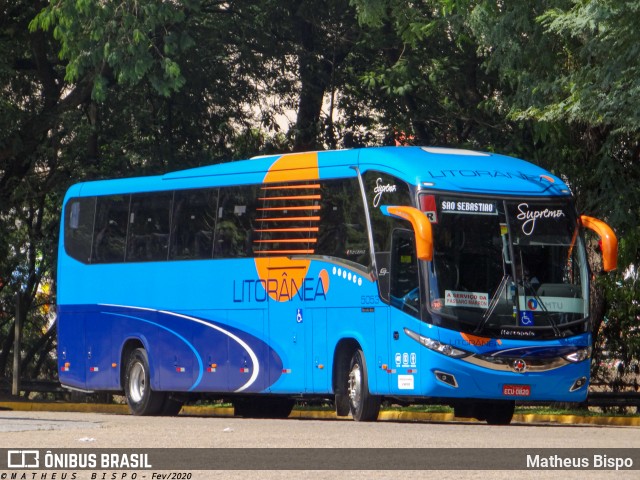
(469, 207)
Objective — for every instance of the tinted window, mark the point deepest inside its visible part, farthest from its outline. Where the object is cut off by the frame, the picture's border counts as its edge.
(110, 233)
(404, 285)
(343, 231)
(149, 227)
(235, 223)
(383, 189)
(78, 228)
(194, 219)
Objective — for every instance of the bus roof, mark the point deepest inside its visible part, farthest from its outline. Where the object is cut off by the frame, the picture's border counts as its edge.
(430, 168)
(464, 171)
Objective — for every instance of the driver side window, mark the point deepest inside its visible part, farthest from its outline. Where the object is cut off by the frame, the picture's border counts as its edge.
(404, 285)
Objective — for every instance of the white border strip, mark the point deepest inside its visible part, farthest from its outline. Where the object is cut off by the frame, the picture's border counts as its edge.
(242, 343)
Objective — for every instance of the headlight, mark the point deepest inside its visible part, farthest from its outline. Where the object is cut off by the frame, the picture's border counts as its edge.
(579, 355)
(436, 346)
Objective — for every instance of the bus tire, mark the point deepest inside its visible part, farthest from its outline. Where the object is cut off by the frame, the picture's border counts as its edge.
(137, 386)
(343, 406)
(364, 406)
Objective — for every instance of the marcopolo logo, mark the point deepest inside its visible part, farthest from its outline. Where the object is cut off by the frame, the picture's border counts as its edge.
(23, 459)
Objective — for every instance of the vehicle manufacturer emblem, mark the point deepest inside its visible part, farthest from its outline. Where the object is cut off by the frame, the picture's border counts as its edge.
(519, 365)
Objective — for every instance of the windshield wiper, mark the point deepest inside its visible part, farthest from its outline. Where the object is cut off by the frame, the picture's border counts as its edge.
(527, 285)
(494, 303)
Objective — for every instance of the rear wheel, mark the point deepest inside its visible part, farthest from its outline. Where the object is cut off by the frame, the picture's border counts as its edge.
(141, 398)
(364, 406)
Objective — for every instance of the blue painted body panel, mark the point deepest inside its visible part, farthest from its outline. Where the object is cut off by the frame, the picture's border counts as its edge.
(210, 326)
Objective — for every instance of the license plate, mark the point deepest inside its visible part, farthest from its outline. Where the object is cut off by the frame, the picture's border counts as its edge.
(516, 390)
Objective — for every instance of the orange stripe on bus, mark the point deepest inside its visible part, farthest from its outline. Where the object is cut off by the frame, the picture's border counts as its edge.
(285, 251)
(292, 197)
(280, 209)
(294, 167)
(293, 187)
(293, 229)
(288, 219)
(288, 240)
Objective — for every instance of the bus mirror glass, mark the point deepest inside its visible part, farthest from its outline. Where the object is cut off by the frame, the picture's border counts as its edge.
(421, 227)
(608, 239)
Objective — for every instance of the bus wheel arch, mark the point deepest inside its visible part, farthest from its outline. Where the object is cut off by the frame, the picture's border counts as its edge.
(341, 362)
(351, 383)
(129, 346)
(142, 399)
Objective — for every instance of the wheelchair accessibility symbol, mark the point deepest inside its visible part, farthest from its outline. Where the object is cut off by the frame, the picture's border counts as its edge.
(299, 315)
(526, 319)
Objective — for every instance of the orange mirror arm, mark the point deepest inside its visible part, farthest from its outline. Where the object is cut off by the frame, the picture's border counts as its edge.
(609, 241)
(421, 227)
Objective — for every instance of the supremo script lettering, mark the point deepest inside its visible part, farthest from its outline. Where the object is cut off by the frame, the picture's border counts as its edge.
(380, 189)
(529, 217)
(283, 290)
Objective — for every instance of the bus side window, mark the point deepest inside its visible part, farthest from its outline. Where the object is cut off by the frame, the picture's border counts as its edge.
(234, 226)
(384, 189)
(78, 228)
(194, 220)
(149, 227)
(110, 232)
(343, 232)
(404, 288)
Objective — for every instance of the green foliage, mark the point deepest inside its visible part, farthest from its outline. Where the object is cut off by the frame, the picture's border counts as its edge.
(131, 40)
(570, 69)
(95, 89)
(601, 82)
(620, 328)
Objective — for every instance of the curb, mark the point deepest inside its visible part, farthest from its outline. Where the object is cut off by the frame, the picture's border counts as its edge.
(385, 415)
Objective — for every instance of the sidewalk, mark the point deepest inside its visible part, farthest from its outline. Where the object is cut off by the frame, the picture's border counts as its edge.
(385, 415)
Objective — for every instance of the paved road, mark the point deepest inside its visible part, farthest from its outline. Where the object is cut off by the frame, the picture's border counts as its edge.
(20, 429)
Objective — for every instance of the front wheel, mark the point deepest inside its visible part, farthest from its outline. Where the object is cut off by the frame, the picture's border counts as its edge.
(364, 406)
(141, 398)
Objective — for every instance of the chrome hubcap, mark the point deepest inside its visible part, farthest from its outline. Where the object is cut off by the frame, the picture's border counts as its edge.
(137, 382)
(355, 385)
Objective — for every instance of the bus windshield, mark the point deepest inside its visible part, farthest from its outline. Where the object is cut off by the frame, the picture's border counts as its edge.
(507, 268)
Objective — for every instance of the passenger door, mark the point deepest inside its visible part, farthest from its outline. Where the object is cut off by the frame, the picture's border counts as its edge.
(405, 300)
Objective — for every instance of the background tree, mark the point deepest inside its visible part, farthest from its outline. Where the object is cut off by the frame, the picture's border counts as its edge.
(574, 72)
(94, 89)
(538, 80)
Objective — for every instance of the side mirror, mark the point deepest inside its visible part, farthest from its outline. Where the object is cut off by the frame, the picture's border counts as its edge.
(421, 227)
(608, 239)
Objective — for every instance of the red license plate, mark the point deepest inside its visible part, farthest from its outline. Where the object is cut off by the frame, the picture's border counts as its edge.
(516, 390)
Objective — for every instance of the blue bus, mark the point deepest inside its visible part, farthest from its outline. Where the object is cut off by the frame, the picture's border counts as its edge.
(403, 274)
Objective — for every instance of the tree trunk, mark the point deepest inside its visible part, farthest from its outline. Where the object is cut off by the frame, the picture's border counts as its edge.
(315, 75)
